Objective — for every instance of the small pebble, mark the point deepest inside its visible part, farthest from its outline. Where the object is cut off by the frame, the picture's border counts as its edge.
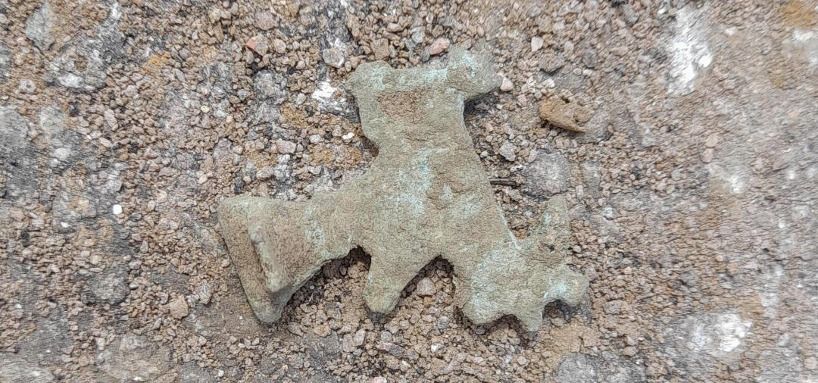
(425, 287)
(536, 43)
(285, 147)
(438, 46)
(279, 46)
(333, 57)
(508, 151)
(178, 307)
(506, 85)
(265, 21)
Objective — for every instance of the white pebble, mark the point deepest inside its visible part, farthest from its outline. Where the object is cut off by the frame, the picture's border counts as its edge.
(425, 287)
(549, 83)
(507, 85)
(536, 43)
(508, 151)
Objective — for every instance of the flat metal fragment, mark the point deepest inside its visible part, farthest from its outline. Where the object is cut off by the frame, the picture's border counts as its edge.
(425, 195)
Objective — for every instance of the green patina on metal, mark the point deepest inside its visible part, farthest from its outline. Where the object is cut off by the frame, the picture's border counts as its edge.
(426, 195)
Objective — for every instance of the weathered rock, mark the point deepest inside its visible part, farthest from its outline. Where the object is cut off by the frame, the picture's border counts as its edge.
(609, 368)
(438, 46)
(506, 85)
(13, 131)
(613, 307)
(83, 64)
(269, 85)
(204, 292)
(49, 341)
(551, 62)
(191, 373)
(564, 114)
(14, 369)
(589, 58)
(40, 26)
(508, 151)
(547, 175)
(720, 336)
(578, 368)
(111, 286)
(265, 20)
(18, 158)
(699, 343)
(286, 147)
(425, 288)
(334, 57)
(279, 46)
(5, 62)
(359, 338)
(258, 44)
(27, 86)
(380, 48)
(536, 43)
(178, 307)
(425, 195)
(134, 358)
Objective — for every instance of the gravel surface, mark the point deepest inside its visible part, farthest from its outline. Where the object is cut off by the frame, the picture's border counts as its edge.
(692, 190)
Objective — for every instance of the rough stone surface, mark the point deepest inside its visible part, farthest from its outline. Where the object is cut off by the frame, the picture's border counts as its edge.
(334, 57)
(536, 43)
(508, 151)
(40, 25)
(551, 62)
(110, 286)
(14, 369)
(438, 46)
(178, 307)
(547, 175)
(564, 114)
(425, 287)
(191, 373)
(692, 193)
(5, 62)
(380, 48)
(133, 358)
(82, 65)
(707, 339)
(506, 85)
(265, 20)
(13, 131)
(285, 147)
(607, 368)
(425, 195)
